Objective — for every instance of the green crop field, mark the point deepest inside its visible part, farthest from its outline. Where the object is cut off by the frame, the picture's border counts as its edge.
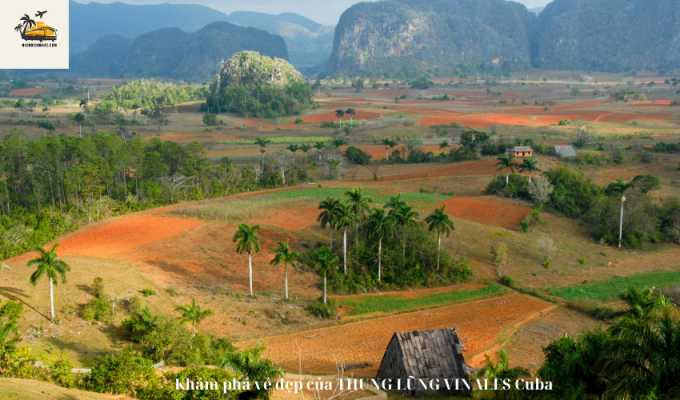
(613, 287)
(389, 303)
(423, 200)
(284, 140)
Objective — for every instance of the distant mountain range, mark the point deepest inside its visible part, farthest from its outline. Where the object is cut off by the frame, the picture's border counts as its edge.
(308, 42)
(443, 37)
(175, 53)
(536, 10)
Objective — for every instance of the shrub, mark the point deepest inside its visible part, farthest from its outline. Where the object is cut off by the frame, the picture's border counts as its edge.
(517, 187)
(98, 309)
(582, 261)
(507, 281)
(298, 120)
(148, 292)
(321, 310)
(564, 122)
(210, 119)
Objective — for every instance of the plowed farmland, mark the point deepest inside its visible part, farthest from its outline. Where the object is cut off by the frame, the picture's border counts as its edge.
(477, 168)
(330, 117)
(478, 325)
(486, 212)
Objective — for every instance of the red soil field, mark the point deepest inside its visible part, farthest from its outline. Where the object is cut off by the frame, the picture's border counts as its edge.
(478, 325)
(28, 92)
(483, 120)
(295, 218)
(477, 168)
(623, 117)
(124, 234)
(330, 117)
(486, 212)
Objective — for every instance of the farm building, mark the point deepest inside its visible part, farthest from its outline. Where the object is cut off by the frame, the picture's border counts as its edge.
(425, 356)
(521, 151)
(563, 151)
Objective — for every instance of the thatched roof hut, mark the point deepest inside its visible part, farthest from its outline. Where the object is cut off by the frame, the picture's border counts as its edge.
(427, 356)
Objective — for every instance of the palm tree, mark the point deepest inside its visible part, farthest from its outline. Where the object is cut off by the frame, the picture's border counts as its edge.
(530, 165)
(293, 148)
(79, 118)
(27, 24)
(48, 264)
(83, 104)
(339, 142)
(327, 216)
(135, 106)
(248, 242)
(379, 225)
(340, 114)
(505, 163)
(501, 370)
(443, 145)
(88, 93)
(18, 28)
(405, 217)
(251, 364)
(344, 219)
(350, 112)
(319, 146)
(323, 261)
(619, 187)
(262, 143)
(192, 313)
(283, 255)
(439, 221)
(395, 203)
(140, 323)
(359, 205)
(305, 148)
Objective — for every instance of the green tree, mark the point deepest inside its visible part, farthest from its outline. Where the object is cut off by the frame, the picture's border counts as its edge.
(378, 226)
(505, 163)
(360, 205)
(319, 146)
(405, 217)
(293, 148)
(501, 370)
(340, 113)
(439, 221)
(251, 363)
(342, 220)
(619, 188)
(284, 255)
(79, 118)
(248, 242)
(350, 111)
(262, 143)
(323, 261)
(140, 323)
(210, 119)
(83, 105)
(193, 314)
(327, 216)
(47, 264)
(444, 145)
(529, 165)
(305, 148)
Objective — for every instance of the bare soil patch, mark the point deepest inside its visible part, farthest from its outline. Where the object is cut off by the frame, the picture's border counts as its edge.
(28, 92)
(486, 212)
(330, 117)
(478, 324)
(124, 234)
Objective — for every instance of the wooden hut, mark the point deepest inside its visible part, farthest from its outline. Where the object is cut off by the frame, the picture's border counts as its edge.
(521, 151)
(426, 356)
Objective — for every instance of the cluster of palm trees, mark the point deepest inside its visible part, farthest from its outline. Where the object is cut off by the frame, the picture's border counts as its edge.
(356, 212)
(341, 113)
(506, 162)
(352, 214)
(294, 148)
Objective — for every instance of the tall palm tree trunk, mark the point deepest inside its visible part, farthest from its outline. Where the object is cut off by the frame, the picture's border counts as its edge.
(324, 287)
(379, 257)
(439, 248)
(344, 250)
(285, 269)
(51, 300)
(263, 162)
(80, 130)
(250, 272)
(621, 226)
(507, 177)
(331, 245)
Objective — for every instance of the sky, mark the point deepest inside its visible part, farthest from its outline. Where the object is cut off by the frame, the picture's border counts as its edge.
(322, 11)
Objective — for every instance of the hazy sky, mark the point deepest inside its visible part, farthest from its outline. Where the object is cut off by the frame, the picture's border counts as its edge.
(322, 11)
